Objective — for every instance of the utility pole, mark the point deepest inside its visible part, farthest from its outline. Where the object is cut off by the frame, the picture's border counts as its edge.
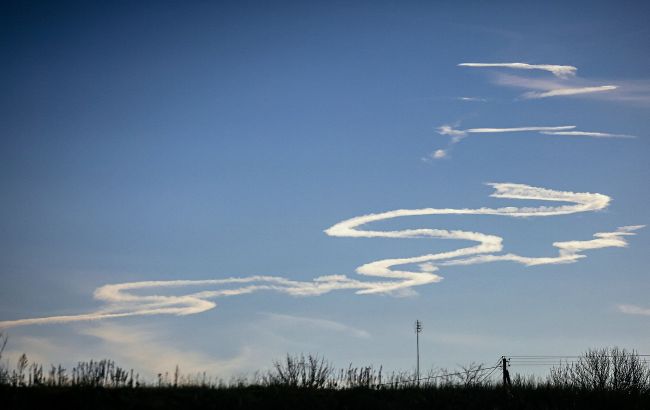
(504, 369)
(418, 329)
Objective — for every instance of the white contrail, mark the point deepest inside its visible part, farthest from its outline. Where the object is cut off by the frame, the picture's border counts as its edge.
(635, 91)
(561, 71)
(126, 299)
(565, 130)
(517, 129)
(458, 135)
(472, 99)
(588, 134)
(561, 92)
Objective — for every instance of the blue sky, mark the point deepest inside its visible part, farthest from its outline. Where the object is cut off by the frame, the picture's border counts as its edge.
(164, 141)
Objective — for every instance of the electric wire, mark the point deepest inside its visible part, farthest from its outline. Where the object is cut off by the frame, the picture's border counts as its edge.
(436, 376)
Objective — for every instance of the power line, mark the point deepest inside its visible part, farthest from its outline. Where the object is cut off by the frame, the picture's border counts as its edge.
(496, 366)
(559, 360)
(520, 360)
(489, 374)
(438, 376)
(571, 356)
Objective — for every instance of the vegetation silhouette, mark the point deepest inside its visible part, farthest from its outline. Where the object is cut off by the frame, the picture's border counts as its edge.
(600, 378)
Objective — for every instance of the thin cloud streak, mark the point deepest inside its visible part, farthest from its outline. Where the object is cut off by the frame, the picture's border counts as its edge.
(564, 130)
(126, 299)
(588, 134)
(472, 99)
(560, 71)
(563, 92)
(329, 325)
(459, 135)
(517, 129)
(627, 91)
(449, 130)
(634, 310)
(566, 83)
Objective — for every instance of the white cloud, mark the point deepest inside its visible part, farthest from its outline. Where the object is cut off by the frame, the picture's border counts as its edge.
(588, 134)
(439, 153)
(516, 129)
(472, 99)
(634, 310)
(628, 91)
(569, 251)
(449, 130)
(390, 276)
(516, 81)
(38, 350)
(562, 92)
(458, 135)
(144, 349)
(561, 71)
(566, 130)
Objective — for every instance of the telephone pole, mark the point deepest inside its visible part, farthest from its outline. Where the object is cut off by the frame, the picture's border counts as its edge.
(505, 372)
(418, 329)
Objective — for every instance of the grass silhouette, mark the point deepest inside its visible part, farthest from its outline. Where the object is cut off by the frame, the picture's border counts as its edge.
(611, 378)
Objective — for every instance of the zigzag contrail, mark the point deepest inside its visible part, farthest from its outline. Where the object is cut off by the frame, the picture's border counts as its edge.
(121, 299)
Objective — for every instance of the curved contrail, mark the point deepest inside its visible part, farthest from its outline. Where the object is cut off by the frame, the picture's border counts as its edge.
(123, 299)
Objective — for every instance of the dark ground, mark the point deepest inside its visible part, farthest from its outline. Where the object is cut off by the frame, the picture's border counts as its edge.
(294, 398)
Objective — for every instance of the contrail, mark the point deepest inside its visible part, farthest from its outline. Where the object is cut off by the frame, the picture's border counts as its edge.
(127, 299)
(588, 134)
(458, 135)
(561, 71)
(568, 91)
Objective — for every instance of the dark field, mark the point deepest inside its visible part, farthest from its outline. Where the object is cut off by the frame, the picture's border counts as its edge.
(609, 378)
(282, 397)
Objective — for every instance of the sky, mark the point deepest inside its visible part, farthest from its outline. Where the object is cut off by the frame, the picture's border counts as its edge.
(217, 184)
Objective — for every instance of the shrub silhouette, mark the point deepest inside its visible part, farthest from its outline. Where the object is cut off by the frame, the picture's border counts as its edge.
(300, 371)
(604, 369)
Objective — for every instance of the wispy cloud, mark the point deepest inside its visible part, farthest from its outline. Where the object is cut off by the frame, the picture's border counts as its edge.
(449, 130)
(560, 71)
(516, 129)
(458, 135)
(127, 299)
(317, 323)
(563, 92)
(628, 91)
(516, 81)
(472, 99)
(588, 134)
(439, 153)
(146, 350)
(40, 350)
(565, 83)
(634, 310)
